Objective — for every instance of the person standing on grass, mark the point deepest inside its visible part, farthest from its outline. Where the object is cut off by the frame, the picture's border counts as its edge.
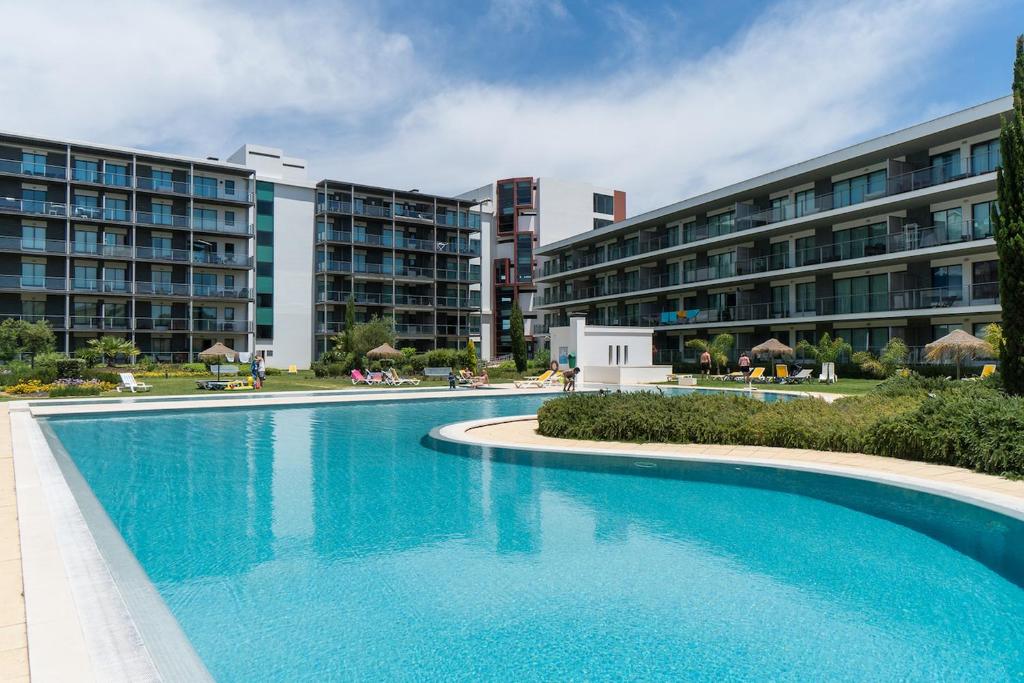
(745, 367)
(254, 368)
(262, 367)
(705, 363)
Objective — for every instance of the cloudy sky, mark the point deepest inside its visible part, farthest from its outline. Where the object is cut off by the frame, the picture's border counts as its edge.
(661, 99)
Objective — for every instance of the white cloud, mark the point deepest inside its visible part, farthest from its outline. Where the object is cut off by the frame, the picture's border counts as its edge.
(804, 78)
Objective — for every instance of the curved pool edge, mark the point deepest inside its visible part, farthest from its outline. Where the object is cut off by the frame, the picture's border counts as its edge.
(960, 484)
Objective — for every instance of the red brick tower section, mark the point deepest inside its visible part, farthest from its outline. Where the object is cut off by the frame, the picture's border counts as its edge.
(515, 198)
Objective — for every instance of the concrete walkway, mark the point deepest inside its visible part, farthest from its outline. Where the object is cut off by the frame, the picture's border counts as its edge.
(984, 489)
(13, 635)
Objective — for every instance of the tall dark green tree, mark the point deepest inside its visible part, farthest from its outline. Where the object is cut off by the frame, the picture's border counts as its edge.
(518, 337)
(1009, 233)
(347, 338)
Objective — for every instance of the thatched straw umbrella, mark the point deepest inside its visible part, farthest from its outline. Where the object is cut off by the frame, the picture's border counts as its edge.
(384, 351)
(218, 350)
(957, 346)
(773, 347)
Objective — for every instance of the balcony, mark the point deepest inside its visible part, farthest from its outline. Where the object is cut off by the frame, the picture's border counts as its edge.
(33, 206)
(415, 273)
(409, 212)
(162, 324)
(97, 285)
(210, 325)
(224, 260)
(334, 267)
(333, 206)
(414, 330)
(373, 298)
(458, 302)
(332, 296)
(202, 192)
(215, 292)
(219, 226)
(161, 219)
(56, 321)
(333, 327)
(32, 170)
(931, 176)
(457, 330)
(117, 251)
(33, 282)
(161, 185)
(158, 289)
(334, 236)
(460, 275)
(163, 254)
(88, 322)
(413, 300)
(82, 175)
(33, 245)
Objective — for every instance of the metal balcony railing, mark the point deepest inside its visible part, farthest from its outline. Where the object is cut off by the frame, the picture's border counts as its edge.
(33, 206)
(29, 168)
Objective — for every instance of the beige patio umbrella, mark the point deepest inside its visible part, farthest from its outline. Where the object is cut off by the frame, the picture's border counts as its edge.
(957, 346)
(385, 350)
(216, 351)
(773, 347)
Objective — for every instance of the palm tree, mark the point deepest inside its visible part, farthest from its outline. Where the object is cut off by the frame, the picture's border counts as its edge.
(108, 349)
(827, 350)
(994, 336)
(892, 357)
(719, 348)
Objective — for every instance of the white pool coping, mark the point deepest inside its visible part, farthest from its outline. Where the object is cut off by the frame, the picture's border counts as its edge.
(928, 478)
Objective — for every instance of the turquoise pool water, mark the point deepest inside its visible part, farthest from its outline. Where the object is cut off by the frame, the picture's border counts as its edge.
(336, 542)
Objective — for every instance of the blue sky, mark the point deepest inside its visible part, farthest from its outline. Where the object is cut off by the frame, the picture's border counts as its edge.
(661, 99)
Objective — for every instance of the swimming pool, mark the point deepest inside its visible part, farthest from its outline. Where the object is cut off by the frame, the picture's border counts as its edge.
(336, 541)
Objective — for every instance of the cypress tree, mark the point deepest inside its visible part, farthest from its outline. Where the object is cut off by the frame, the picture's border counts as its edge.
(1009, 232)
(518, 337)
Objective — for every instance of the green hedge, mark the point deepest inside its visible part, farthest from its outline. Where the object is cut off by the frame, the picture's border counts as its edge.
(967, 424)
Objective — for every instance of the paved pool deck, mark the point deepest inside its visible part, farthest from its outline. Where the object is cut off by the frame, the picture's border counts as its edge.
(994, 492)
(13, 628)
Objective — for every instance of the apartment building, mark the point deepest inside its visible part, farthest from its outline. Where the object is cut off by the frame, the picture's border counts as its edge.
(397, 253)
(521, 215)
(888, 238)
(107, 240)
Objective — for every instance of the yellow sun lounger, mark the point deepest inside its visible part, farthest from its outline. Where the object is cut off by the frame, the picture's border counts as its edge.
(543, 380)
(988, 370)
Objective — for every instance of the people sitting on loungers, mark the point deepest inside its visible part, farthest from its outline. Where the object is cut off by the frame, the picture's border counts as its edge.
(392, 378)
(480, 380)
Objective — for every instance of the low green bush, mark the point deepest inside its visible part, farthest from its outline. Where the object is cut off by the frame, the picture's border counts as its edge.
(966, 424)
(196, 368)
(72, 391)
(329, 369)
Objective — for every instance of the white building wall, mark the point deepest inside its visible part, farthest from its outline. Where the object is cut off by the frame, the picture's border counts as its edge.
(566, 208)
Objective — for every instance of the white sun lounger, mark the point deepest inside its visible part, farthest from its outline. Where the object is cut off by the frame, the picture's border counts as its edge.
(129, 382)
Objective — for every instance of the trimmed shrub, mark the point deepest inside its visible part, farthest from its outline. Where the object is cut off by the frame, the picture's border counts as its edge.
(966, 424)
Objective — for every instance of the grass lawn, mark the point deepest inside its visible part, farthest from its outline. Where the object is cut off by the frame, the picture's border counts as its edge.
(303, 381)
(843, 386)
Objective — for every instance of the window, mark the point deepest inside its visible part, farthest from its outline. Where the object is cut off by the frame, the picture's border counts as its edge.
(85, 242)
(939, 331)
(229, 218)
(114, 279)
(33, 237)
(778, 256)
(204, 218)
(689, 231)
(33, 310)
(161, 314)
(33, 201)
(861, 294)
(864, 240)
(33, 274)
(804, 203)
(866, 338)
(949, 225)
(229, 282)
(806, 252)
(265, 300)
(114, 239)
(86, 205)
(33, 164)
(524, 257)
(162, 180)
(805, 298)
(722, 265)
(115, 209)
(162, 214)
(721, 224)
(86, 171)
(858, 189)
(204, 187)
(604, 203)
(780, 301)
(85, 277)
(115, 174)
(601, 222)
(948, 283)
(161, 246)
(689, 270)
(945, 166)
(985, 281)
(782, 210)
(985, 156)
(229, 188)
(981, 219)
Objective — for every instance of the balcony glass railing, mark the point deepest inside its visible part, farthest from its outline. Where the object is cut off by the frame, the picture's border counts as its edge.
(56, 321)
(173, 220)
(32, 169)
(161, 185)
(414, 330)
(334, 236)
(334, 266)
(162, 324)
(213, 325)
(33, 206)
(227, 260)
(33, 282)
(919, 179)
(217, 292)
(33, 245)
(163, 288)
(423, 214)
(413, 300)
(215, 225)
(163, 254)
(84, 284)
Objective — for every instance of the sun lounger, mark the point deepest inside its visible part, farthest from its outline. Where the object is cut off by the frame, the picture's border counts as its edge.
(800, 377)
(375, 378)
(539, 381)
(828, 373)
(393, 379)
(133, 385)
(988, 370)
(781, 372)
(757, 375)
(357, 377)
